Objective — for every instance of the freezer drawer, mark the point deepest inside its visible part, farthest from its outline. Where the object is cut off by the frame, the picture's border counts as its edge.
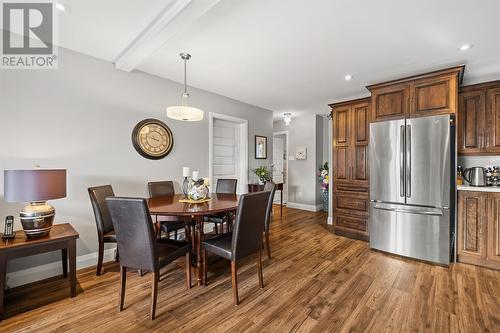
(415, 232)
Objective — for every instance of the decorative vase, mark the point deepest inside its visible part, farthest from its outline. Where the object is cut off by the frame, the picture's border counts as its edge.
(324, 197)
(261, 182)
(197, 192)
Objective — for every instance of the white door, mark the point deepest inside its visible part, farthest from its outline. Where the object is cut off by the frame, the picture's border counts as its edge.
(279, 163)
(225, 150)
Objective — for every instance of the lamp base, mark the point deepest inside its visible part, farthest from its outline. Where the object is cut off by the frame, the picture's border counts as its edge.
(37, 219)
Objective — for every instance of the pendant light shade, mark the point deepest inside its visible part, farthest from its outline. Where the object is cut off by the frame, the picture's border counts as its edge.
(184, 112)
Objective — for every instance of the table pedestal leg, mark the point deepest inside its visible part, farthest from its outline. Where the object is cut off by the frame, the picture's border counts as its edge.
(199, 239)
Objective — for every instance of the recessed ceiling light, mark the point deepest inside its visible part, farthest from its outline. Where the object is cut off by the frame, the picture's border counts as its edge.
(62, 7)
(348, 77)
(465, 47)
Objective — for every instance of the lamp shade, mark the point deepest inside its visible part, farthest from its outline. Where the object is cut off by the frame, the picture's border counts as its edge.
(34, 185)
(184, 113)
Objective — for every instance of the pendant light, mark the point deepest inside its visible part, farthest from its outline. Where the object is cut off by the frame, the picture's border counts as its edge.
(185, 112)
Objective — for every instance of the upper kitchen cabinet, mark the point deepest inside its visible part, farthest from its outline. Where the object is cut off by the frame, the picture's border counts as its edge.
(479, 119)
(422, 95)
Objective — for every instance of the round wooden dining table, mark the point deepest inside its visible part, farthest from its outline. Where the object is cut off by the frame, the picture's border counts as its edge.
(170, 206)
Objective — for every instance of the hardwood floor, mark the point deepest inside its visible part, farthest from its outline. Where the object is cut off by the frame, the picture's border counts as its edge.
(315, 282)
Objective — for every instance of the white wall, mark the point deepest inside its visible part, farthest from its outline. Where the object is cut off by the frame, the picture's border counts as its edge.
(80, 117)
(303, 186)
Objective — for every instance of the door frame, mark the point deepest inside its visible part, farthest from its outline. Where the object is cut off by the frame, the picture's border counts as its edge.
(243, 149)
(285, 187)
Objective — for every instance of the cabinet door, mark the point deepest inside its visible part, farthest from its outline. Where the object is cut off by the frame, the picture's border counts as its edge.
(493, 216)
(493, 121)
(471, 228)
(341, 143)
(471, 116)
(391, 102)
(359, 148)
(433, 96)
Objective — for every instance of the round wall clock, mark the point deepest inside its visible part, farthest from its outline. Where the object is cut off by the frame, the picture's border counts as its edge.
(152, 139)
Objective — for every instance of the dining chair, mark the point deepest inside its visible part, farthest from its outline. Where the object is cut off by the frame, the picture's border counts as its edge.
(224, 186)
(139, 248)
(105, 230)
(166, 224)
(245, 240)
(270, 186)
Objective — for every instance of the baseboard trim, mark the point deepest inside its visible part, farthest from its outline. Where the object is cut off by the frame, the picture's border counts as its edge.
(310, 208)
(32, 274)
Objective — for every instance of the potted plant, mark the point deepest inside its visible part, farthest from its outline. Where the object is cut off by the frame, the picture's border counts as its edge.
(323, 175)
(263, 173)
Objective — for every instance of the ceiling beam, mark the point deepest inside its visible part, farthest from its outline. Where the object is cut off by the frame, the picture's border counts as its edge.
(175, 17)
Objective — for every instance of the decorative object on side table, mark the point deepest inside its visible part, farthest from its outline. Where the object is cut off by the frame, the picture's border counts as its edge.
(35, 186)
(260, 147)
(263, 173)
(324, 178)
(9, 228)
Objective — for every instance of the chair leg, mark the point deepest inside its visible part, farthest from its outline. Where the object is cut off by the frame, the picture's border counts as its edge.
(268, 245)
(175, 234)
(117, 255)
(154, 293)
(259, 269)
(100, 258)
(188, 270)
(205, 267)
(140, 272)
(123, 282)
(234, 282)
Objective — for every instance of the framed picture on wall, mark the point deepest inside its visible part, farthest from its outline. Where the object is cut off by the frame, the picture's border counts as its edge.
(260, 147)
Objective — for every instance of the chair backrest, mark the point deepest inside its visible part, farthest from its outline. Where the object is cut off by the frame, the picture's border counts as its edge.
(98, 195)
(269, 187)
(161, 189)
(226, 186)
(135, 233)
(249, 224)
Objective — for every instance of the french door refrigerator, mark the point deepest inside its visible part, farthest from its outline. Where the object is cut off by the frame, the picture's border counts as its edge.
(412, 163)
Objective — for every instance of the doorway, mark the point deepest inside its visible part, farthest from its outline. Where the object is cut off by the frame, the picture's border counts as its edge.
(228, 150)
(280, 163)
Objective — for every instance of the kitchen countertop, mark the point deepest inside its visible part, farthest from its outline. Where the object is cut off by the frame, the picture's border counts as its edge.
(478, 188)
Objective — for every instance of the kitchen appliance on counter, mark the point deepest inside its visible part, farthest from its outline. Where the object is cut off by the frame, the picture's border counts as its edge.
(412, 187)
(475, 176)
(493, 176)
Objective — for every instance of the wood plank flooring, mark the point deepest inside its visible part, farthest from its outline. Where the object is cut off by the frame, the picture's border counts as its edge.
(315, 282)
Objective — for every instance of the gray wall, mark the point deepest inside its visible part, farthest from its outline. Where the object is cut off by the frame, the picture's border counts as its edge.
(303, 187)
(80, 117)
(480, 161)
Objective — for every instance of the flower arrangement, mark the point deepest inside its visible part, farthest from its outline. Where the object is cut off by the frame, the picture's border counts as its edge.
(263, 173)
(324, 177)
(198, 189)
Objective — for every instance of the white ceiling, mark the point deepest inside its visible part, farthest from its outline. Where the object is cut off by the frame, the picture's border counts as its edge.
(293, 55)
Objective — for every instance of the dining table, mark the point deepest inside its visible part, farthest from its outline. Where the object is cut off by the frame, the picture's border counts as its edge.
(171, 206)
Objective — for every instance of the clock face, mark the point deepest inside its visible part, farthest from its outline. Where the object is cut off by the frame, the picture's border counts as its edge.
(152, 139)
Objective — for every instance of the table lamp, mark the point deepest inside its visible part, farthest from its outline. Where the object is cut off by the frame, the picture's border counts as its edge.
(36, 187)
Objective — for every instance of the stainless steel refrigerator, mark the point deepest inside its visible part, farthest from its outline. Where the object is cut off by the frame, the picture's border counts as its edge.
(412, 163)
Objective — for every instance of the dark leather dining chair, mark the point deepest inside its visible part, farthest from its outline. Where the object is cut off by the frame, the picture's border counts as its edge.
(138, 246)
(269, 187)
(166, 224)
(245, 240)
(224, 186)
(105, 230)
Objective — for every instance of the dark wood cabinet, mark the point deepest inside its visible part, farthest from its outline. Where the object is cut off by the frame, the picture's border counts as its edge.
(478, 234)
(479, 119)
(417, 96)
(351, 167)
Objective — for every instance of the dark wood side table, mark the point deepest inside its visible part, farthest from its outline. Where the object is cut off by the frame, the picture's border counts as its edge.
(259, 187)
(62, 237)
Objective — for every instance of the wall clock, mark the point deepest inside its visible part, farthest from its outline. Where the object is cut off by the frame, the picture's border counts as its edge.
(152, 139)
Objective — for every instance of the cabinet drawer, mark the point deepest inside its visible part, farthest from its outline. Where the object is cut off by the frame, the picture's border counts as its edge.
(352, 201)
(351, 226)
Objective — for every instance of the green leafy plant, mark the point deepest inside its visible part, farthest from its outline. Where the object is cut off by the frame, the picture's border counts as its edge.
(263, 173)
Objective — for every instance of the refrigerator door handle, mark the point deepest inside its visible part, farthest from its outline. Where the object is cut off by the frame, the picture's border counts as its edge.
(408, 161)
(402, 161)
(409, 211)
